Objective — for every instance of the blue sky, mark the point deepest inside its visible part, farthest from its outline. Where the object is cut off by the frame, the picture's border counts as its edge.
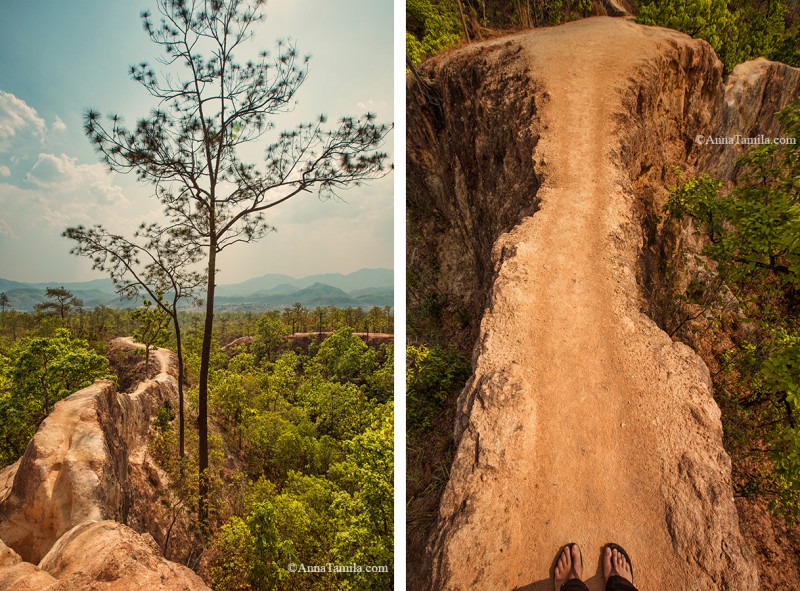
(62, 57)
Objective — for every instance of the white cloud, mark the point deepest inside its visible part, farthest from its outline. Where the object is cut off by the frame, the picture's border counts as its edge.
(63, 174)
(58, 124)
(7, 230)
(72, 196)
(5, 170)
(380, 108)
(19, 208)
(19, 121)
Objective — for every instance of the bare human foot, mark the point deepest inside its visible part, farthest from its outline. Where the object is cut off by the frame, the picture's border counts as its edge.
(569, 566)
(616, 563)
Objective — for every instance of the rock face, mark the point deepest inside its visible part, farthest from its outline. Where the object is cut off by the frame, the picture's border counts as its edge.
(85, 465)
(583, 421)
(76, 466)
(98, 556)
(470, 135)
(16, 575)
(108, 556)
(753, 92)
(65, 476)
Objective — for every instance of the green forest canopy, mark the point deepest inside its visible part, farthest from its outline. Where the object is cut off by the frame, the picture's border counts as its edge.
(308, 428)
(739, 30)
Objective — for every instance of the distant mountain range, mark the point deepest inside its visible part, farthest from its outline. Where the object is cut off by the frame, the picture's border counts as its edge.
(363, 288)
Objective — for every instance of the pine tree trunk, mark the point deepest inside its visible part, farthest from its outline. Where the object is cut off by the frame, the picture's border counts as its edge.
(205, 357)
(181, 378)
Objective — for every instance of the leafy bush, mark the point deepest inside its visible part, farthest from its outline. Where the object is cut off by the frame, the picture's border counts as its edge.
(753, 233)
(163, 418)
(345, 357)
(738, 30)
(230, 568)
(39, 372)
(433, 374)
(707, 19)
(432, 26)
(365, 531)
(269, 337)
(317, 444)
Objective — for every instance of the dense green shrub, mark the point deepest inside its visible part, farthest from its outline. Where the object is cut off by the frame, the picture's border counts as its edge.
(433, 374)
(314, 436)
(738, 30)
(39, 372)
(432, 26)
(753, 236)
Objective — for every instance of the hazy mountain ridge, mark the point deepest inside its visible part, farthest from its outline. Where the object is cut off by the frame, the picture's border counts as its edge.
(363, 288)
(361, 279)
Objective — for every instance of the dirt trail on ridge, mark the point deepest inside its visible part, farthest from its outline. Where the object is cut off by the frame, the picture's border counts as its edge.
(584, 422)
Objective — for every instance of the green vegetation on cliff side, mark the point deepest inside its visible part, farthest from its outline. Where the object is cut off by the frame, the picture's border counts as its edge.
(751, 293)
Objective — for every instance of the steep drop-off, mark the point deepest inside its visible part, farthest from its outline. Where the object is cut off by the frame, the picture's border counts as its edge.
(470, 138)
(583, 421)
(65, 504)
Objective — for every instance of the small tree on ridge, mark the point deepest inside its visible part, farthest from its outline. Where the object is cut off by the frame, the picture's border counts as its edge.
(153, 263)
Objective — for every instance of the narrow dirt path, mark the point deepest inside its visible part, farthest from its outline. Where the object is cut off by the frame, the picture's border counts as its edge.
(584, 422)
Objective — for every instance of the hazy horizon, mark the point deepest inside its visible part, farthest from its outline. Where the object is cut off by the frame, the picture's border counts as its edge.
(101, 277)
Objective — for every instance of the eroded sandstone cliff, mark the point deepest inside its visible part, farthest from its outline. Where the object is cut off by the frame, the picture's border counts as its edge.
(583, 421)
(65, 504)
(470, 140)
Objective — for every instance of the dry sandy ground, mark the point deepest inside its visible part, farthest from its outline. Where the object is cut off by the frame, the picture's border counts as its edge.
(585, 422)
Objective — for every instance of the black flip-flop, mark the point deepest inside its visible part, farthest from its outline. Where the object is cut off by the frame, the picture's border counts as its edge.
(621, 550)
(572, 570)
